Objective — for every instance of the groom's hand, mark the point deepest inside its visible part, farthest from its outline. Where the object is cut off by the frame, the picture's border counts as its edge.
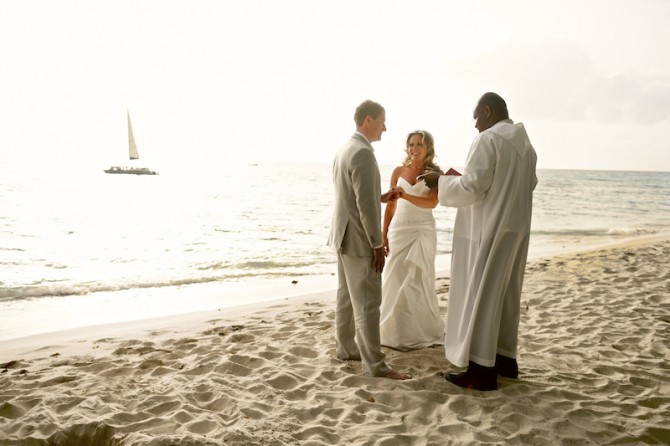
(431, 179)
(378, 260)
(390, 196)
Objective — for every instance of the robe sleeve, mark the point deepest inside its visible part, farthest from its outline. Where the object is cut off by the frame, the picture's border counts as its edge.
(477, 176)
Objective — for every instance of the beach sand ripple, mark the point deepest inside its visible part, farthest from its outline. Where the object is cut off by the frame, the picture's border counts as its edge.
(594, 360)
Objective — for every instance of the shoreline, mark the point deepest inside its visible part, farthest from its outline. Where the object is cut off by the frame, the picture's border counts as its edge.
(111, 309)
(593, 355)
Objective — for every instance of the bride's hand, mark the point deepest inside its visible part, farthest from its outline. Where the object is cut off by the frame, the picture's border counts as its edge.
(401, 192)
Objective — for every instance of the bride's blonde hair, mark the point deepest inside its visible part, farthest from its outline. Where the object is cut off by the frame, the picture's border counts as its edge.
(427, 139)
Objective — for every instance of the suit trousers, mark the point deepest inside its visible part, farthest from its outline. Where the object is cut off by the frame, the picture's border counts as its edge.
(359, 296)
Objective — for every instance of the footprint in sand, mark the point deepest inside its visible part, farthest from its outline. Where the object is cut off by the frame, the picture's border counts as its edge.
(11, 411)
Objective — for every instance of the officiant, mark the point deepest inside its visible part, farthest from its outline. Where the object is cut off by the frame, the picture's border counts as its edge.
(494, 199)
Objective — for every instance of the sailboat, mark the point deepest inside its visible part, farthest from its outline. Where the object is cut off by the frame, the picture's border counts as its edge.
(133, 155)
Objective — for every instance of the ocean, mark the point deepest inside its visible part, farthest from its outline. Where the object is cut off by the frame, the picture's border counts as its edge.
(176, 242)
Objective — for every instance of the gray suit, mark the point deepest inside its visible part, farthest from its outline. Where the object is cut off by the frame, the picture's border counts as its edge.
(354, 233)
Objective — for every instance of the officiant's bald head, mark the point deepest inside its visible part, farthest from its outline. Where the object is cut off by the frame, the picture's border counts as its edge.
(490, 109)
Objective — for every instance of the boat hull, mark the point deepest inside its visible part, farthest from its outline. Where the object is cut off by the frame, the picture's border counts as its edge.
(131, 171)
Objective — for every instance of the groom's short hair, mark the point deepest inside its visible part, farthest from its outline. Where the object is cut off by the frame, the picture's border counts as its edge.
(368, 107)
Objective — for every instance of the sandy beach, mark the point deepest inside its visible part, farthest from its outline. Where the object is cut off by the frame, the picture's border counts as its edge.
(594, 359)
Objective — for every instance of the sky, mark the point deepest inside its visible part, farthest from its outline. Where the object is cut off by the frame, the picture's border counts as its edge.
(217, 83)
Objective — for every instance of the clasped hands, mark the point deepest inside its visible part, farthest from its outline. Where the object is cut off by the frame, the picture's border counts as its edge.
(394, 193)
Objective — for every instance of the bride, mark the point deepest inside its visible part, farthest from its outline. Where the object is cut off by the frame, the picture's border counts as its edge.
(410, 316)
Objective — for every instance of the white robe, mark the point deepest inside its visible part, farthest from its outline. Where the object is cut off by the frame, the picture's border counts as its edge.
(494, 200)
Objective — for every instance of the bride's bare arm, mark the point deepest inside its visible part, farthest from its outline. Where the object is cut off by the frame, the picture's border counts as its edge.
(390, 210)
(427, 202)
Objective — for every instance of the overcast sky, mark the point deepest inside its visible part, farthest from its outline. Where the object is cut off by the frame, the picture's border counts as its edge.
(212, 83)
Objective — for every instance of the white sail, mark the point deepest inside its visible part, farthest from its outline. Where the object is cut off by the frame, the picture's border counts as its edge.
(132, 153)
(132, 147)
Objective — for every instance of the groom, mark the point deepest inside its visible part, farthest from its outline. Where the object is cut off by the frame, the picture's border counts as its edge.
(356, 235)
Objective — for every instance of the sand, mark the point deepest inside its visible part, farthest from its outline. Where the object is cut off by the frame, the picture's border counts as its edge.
(594, 359)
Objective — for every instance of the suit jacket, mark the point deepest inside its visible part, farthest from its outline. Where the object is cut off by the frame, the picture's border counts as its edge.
(356, 226)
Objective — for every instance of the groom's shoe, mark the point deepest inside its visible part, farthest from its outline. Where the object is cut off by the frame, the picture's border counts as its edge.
(507, 367)
(477, 377)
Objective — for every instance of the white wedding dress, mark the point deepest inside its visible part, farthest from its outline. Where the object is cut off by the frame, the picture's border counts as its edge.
(410, 316)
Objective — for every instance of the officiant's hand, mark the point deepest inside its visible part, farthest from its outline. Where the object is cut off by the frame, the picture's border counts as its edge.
(431, 179)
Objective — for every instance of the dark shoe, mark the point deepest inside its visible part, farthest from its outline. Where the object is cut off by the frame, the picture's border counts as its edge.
(477, 377)
(507, 367)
